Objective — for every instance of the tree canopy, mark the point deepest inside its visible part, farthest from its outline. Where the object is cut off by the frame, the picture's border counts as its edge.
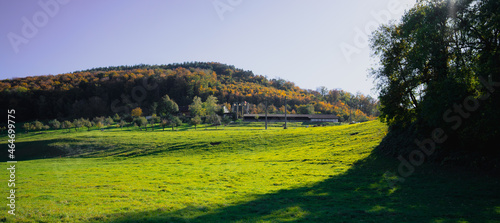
(438, 68)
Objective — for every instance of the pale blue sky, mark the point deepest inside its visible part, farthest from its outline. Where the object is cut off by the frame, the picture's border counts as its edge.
(300, 41)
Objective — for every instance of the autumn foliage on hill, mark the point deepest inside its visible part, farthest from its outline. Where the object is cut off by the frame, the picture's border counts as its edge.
(106, 91)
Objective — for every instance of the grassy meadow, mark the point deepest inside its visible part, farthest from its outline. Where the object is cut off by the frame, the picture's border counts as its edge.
(236, 174)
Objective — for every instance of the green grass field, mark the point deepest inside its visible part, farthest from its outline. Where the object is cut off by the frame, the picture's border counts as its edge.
(238, 174)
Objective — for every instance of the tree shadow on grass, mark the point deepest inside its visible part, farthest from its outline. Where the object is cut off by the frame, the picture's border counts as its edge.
(80, 148)
(53, 148)
(359, 195)
(40, 149)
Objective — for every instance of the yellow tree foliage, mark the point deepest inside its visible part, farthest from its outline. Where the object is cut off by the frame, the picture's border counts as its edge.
(136, 112)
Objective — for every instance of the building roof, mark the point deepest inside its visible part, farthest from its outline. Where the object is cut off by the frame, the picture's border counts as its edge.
(292, 116)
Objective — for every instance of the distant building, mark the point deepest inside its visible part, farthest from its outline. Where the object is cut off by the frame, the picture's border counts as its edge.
(226, 111)
(290, 118)
(241, 108)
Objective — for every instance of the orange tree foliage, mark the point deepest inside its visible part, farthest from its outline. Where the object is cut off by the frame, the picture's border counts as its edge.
(136, 112)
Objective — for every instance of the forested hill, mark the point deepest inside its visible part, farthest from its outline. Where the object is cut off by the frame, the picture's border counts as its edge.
(110, 90)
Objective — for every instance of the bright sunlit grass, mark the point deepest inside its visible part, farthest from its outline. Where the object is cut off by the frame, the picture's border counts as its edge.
(172, 170)
(230, 175)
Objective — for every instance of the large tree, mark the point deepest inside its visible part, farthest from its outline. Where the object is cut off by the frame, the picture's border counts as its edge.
(141, 121)
(210, 106)
(174, 121)
(196, 108)
(196, 121)
(167, 107)
(86, 123)
(136, 112)
(437, 65)
(55, 124)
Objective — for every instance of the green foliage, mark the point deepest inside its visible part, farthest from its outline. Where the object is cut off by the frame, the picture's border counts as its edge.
(108, 121)
(196, 121)
(116, 117)
(196, 108)
(87, 123)
(167, 107)
(164, 123)
(226, 120)
(432, 61)
(174, 121)
(37, 125)
(271, 109)
(154, 119)
(67, 125)
(305, 109)
(55, 124)
(210, 106)
(98, 119)
(77, 123)
(98, 124)
(141, 122)
(122, 123)
(214, 119)
(27, 126)
(154, 108)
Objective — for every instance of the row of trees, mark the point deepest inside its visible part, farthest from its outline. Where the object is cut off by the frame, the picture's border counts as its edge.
(98, 122)
(102, 122)
(166, 113)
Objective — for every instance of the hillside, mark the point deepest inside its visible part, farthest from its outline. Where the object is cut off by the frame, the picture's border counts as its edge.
(106, 91)
(324, 174)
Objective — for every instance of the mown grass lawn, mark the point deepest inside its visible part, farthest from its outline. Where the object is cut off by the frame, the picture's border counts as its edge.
(239, 174)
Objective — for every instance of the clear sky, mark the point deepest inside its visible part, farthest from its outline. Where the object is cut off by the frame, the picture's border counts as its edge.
(311, 43)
